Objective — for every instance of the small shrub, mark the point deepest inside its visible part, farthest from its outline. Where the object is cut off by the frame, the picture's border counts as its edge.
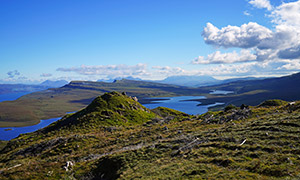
(229, 107)
(273, 102)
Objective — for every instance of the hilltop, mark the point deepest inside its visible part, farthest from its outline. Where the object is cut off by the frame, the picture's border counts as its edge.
(55, 102)
(104, 141)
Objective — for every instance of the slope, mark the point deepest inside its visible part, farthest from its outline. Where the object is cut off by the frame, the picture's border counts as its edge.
(253, 92)
(242, 142)
(55, 102)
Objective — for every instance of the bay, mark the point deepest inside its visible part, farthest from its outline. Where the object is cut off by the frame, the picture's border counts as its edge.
(12, 96)
(182, 103)
(8, 133)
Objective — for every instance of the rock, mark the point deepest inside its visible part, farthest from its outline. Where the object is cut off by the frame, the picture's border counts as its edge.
(165, 128)
(243, 142)
(68, 166)
(135, 99)
(292, 103)
(243, 106)
(37, 149)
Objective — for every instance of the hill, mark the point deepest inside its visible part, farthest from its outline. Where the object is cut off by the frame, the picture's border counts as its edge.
(253, 92)
(55, 102)
(119, 78)
(239, 143)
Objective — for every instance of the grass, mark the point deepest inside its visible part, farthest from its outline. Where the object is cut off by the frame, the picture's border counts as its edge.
(264, 144)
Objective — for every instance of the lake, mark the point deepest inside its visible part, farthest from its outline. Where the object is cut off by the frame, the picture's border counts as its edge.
(12, 96)
(216, 92)
(182, 103)
(9, 133)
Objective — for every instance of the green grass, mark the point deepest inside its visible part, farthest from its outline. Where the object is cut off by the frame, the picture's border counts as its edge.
(262, 145)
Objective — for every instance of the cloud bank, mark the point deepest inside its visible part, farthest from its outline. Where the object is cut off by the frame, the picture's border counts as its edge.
(120, 70)
(261, 49)
(224, 58)
(261, 4)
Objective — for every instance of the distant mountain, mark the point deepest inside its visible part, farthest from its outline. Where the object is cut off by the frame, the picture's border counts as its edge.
(189, 81)
(193, 81)
(58, 83)
(29, 88)
(19, 88)
(253, 92)
(119, 78)
(240, 79)
(200, 81)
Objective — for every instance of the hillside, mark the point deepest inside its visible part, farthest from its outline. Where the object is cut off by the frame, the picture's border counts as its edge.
(55, 102)
(239, 143)
(253, 92)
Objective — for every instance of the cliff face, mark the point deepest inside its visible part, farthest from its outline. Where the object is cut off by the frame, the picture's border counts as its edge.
(116, 137)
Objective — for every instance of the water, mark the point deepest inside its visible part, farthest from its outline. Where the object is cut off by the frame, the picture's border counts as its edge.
(12, 96)
(8, 133)
(221, 92)
(183, 104)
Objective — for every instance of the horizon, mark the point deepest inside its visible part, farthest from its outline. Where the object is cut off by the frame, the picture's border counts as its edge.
(76, 40)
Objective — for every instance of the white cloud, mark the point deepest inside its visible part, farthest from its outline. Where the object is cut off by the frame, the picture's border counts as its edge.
(287, 14)
(120, 70)
(261, 4)
(276, 49)
(290, 65)
(13, 74)
(247, 36)
(246, 13)
(169, 71)
(217, 57)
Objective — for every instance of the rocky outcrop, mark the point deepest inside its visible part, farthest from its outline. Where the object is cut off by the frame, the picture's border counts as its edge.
(231, 115)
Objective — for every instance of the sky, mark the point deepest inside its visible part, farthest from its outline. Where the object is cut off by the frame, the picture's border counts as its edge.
(102, 39)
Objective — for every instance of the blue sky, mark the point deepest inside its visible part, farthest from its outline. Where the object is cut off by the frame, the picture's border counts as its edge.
(98, 39)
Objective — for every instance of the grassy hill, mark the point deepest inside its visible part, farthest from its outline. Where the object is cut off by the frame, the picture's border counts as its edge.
(253, 92)
(248, 142)
(55, 102)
